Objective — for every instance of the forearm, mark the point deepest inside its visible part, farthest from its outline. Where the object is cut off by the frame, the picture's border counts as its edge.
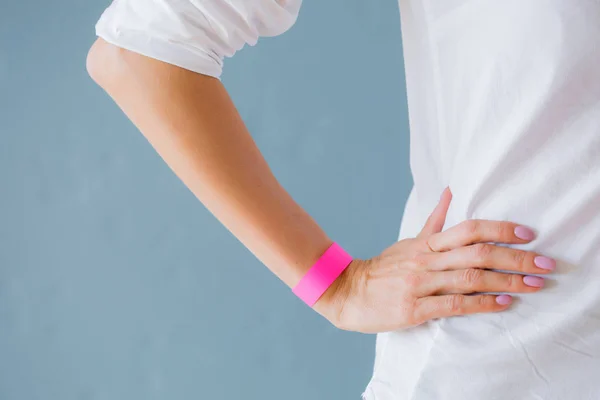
(191, 122)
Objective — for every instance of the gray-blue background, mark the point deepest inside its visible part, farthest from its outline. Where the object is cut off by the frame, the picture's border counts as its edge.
(117, 284)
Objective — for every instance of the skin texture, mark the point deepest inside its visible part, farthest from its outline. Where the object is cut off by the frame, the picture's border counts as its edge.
(193, 125)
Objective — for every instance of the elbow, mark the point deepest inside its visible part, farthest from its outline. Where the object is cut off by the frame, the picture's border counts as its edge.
(95, 61)
(102, 63)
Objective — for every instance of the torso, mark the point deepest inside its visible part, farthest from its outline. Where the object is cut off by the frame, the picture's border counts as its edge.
(504, 104)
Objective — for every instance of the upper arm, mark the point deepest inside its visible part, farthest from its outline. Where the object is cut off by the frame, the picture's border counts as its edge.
(193, 34)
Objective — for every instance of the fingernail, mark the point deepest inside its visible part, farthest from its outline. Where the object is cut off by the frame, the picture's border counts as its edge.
(523, 232)
(504, 299)
(545, 262)
(534, 281)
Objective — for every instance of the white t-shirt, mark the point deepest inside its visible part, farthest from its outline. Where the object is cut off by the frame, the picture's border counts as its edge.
(504, 106)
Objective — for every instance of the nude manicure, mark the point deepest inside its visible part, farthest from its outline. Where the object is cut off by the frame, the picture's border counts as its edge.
(545, 262)
(534, 281)
(504, 299)
(523, 232)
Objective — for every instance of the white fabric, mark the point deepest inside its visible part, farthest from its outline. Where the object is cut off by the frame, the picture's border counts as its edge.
(194, 34)
(504, 104)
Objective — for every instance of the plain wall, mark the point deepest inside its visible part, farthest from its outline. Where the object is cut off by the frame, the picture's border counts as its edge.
(117, 284)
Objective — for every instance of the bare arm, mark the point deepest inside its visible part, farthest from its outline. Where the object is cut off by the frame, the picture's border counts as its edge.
(192, 123)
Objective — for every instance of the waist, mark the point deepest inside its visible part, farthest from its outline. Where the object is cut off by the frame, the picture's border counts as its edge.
(547, 343)
(561, 204)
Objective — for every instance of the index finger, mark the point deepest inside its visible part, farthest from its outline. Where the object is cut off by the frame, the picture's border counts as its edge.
(480, 231)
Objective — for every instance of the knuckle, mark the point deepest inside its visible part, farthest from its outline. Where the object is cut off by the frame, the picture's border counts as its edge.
(512, 282)
(427, 243)
(519, 259)
(472, 228)
(472, 277)
(454, 303)
(482, 252)
(500, 230)
(413, 279)
(419, 261)
(483, 302)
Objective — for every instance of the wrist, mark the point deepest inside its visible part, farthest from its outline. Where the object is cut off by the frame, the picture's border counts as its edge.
(331, 304)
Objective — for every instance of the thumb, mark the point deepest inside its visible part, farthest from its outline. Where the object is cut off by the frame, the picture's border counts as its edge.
(436, 220)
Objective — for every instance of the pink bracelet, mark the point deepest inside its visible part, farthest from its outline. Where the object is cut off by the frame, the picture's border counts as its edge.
(322, 274)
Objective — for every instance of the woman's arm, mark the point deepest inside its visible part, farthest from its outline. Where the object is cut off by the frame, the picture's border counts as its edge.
(191, 122)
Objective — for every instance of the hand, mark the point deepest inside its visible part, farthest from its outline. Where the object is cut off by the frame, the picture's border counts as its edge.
(432, 275)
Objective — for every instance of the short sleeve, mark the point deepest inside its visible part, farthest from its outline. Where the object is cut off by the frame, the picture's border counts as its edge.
(194, 34)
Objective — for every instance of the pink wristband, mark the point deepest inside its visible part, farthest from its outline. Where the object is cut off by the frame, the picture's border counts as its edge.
(322, 274)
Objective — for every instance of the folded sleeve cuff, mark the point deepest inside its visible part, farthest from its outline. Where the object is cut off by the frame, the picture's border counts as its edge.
(194, 34)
